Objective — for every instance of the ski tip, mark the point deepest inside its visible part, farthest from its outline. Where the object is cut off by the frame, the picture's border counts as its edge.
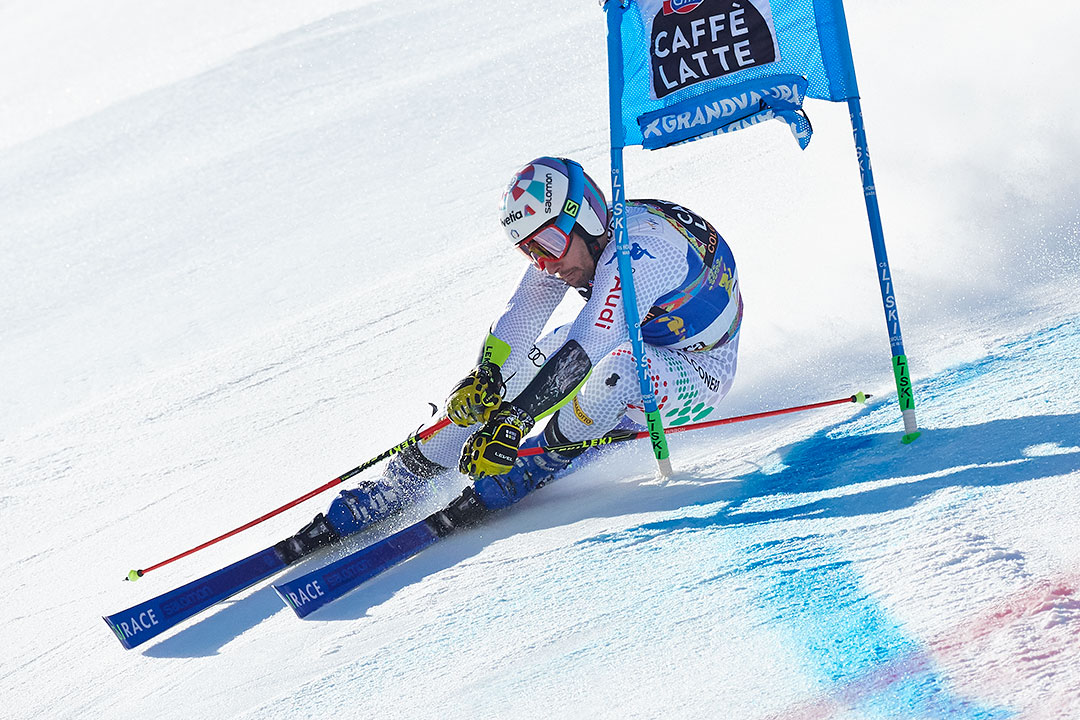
(284, 597)
(119, 634)
(134, 575)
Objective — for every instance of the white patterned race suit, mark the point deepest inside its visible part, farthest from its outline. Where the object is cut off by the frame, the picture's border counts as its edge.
(688, 298)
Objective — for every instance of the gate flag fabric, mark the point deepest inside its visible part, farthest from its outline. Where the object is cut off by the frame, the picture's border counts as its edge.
(696, 68)
(681, 70)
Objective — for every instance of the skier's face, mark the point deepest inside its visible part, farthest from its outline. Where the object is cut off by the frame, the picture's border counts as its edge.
(577, 267)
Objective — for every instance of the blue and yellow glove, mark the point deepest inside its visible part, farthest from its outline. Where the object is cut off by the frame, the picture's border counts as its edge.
(476, 397)
(493, 448)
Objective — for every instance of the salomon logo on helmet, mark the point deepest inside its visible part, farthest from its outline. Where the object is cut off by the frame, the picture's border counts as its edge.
(540, 195)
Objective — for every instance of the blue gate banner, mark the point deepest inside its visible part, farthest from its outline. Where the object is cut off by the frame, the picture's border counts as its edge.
(696, 68)
(728, 109)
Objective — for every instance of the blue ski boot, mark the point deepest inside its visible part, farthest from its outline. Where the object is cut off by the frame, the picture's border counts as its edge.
(533, 471)
(405, 478)
(527, 474)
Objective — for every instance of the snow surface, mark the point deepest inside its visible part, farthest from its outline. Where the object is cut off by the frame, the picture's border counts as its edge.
(243, 244)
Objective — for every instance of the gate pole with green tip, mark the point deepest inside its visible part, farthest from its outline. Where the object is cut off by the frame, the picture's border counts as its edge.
(904, 390)
(653, 420)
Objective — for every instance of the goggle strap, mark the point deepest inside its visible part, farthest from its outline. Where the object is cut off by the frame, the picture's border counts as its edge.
(575, 194)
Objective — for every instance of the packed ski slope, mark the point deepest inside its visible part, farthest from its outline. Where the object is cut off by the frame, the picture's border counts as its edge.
(242, 246)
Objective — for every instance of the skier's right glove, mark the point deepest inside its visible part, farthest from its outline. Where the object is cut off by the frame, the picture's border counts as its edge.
(477, 396)
(493, 448)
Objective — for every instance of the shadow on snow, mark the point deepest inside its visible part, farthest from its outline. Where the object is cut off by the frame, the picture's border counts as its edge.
(995, 453)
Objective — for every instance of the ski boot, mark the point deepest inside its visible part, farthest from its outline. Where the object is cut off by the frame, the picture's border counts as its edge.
(527, 474)
(533, 471)
(405, 477)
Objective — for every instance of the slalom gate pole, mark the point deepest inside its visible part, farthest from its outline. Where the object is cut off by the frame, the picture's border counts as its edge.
(888, 296)
(412, 440)
(631, 435)
(622, 241)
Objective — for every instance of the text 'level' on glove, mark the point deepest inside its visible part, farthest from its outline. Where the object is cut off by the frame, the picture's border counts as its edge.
(477, 396)
(493, 448)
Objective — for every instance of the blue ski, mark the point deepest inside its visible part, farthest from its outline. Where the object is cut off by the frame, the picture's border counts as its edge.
(149, 619)
(311, 591)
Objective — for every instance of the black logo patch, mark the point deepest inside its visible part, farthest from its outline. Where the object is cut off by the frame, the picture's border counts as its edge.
(714, 39)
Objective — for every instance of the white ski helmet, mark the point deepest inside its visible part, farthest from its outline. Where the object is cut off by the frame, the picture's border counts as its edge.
(546, 201)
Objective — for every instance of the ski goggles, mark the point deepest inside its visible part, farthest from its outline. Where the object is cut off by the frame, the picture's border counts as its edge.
(550, 241)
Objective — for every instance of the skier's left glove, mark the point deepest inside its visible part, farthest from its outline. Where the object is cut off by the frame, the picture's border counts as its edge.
(475, 398)
(493, 448)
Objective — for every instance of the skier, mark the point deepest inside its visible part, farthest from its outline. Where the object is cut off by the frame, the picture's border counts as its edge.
(581, 376)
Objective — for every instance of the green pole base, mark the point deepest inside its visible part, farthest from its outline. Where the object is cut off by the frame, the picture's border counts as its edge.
(910, 437)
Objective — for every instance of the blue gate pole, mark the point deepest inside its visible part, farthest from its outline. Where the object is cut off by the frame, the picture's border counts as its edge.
(654, 422)
(888, 296)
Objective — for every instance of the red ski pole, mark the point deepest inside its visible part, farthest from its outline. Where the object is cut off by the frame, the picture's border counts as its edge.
(631, 435)
(419, 437)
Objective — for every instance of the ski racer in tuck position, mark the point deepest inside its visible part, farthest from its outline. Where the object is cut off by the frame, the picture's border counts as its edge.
(582, 376)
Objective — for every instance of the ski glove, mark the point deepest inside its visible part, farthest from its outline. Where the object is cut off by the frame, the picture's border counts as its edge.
(476, 397)
(493, 448)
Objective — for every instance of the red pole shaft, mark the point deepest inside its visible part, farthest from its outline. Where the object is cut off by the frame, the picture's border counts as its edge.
(760, 415)
(712, 423)
(422, 435)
